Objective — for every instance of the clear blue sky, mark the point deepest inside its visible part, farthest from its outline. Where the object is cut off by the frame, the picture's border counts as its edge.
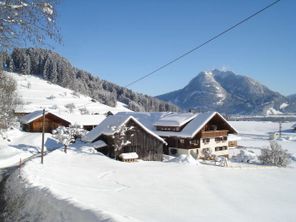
(122, 40)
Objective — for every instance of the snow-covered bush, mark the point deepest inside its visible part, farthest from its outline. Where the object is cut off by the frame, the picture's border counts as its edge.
(75, 94)
(29, 85)
(51, 97)
(70, 106)
(184, 159)
(208, 154)
(68, 135)
(274, 155)
(84, 111)
(246, 156)
(54, 106)
(221, 161)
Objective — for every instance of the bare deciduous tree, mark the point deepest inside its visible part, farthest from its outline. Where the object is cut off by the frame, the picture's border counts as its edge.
(121, 137)
(275, 155)
(8, 100)
(24, 21)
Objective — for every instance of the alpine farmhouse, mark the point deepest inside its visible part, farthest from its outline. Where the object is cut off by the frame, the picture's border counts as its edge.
(154, 134)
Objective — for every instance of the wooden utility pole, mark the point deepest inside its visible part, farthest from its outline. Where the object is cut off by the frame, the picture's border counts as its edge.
(43, 129)
(280, 129)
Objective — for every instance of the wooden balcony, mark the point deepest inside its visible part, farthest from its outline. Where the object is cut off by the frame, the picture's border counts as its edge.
(213, 133)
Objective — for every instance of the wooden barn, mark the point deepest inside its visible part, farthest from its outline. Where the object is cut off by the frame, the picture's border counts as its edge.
(134, 136)
(33, 122)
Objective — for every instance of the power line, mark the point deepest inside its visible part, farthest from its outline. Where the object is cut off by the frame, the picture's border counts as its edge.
(201, 45)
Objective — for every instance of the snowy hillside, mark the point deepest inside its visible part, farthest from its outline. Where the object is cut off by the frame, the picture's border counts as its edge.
(56, 69)
(37, 93)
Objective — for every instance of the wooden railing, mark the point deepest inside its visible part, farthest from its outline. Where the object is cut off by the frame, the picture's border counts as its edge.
(213, 133)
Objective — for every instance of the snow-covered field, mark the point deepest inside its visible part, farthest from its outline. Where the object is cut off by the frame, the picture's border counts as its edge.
(173, 190)
(256, 135)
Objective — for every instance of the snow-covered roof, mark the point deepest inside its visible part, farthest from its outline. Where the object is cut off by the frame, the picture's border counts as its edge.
(175, 119)
(107, 127)
(98, 144)
(32, 116)
(126, 156)
(73, 119)
(82, 120)
(148, 120)
(189, 131)
(193, 127)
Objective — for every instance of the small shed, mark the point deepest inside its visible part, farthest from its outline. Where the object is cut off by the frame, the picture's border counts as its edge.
(128, 157)
(33, 122)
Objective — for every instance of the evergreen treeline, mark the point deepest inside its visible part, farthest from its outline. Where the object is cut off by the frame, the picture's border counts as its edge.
(50, 66)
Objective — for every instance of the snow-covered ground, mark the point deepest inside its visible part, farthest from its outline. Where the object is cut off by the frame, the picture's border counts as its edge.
(17, 146)
(37, 94)
(172, 190)
(256, 134)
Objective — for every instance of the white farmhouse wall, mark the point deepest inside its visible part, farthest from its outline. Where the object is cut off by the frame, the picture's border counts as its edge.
(212, 144)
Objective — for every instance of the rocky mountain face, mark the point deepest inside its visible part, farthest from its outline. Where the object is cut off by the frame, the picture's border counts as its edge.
(52, 67)
(291, 103)
(229, 93)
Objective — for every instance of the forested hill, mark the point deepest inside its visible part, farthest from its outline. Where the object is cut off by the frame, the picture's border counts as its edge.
(51, 66)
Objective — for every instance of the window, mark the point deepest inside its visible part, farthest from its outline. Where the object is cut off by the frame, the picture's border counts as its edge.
(181, 140)
(220, 148)
(206, 140)
(218, 139)
(196, 142)
(173, 151)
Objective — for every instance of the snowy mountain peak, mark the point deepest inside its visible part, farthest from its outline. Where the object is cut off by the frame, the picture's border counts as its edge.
(226, 92)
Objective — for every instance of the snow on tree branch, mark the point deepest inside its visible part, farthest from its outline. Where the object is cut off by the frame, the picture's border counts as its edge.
(121, 136)
(27, 21)
(68, 135)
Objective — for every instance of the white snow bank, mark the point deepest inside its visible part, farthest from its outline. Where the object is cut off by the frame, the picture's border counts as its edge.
(21, 145)
(272, 111)
(184, 159)
(246, 156)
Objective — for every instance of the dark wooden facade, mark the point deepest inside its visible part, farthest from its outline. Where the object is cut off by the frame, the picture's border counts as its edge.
(89, 127)
(51, 122)
(147, 146)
